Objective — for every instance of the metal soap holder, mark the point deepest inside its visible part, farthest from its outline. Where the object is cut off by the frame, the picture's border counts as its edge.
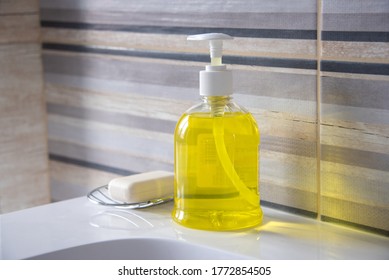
(101, 196)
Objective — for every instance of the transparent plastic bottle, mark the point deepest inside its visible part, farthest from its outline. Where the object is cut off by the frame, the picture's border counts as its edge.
(216, 166)
(216, 154)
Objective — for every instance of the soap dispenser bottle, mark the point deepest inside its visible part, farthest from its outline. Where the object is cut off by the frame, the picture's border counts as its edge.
(216, 154)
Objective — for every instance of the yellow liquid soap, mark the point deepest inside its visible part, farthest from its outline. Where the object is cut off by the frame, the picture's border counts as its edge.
(216, 171)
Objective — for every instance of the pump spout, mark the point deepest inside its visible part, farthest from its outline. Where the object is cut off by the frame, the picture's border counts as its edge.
(215, 45)
(216, 80)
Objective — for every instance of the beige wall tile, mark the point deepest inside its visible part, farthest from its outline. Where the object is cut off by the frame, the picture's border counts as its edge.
(23, 136)
(19, 29)
(18, 6)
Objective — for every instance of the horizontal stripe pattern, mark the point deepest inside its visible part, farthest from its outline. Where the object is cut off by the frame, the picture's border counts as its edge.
(116, 118)
(356, 92)
(373, 160)
(193, 6)
(354, 114)
(355, 67)
(110, 159)
(179, 30)
(242, 46)
(357, 36)
(70, 178)
(118, 78)
(357, 31)
(228, 59)
(359, 21)
(301, 21)
(91, 165)
(133, 76)
(170, 15)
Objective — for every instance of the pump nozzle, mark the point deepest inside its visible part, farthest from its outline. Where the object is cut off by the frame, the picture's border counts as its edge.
(215, 45)
(216, 80)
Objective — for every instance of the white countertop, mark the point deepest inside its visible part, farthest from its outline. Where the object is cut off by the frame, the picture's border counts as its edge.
(66, 224)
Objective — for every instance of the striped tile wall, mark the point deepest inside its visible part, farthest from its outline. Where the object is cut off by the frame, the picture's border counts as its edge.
(355, 112)
(118, 76)
(23, 145)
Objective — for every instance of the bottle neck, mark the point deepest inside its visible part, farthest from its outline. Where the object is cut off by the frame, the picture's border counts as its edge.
(217, 104)
(217, 100)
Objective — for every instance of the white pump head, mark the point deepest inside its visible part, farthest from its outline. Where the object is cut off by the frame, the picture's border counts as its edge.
(216, 80)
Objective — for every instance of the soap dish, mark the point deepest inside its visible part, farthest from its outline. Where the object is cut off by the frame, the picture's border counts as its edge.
(101, 196)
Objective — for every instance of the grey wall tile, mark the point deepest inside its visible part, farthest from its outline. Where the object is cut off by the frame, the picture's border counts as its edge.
(354, 113)
(99, 58)
(300, 15)
(356, 30)
(363, 93)
(356, 15)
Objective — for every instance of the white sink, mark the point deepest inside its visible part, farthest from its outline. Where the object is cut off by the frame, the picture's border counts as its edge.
(138, 248)
(77, 229)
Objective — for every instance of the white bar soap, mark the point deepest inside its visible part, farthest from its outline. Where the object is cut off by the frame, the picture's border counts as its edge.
(142, 187)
